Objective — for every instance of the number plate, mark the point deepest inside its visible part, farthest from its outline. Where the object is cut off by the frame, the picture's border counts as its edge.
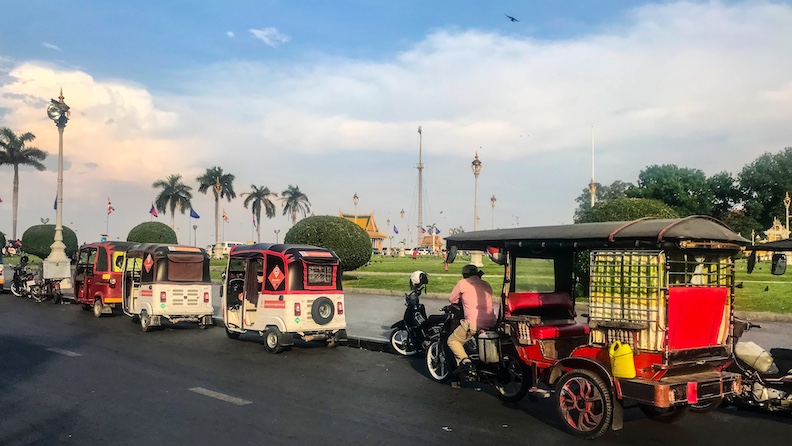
(31, 282)
(419, 318)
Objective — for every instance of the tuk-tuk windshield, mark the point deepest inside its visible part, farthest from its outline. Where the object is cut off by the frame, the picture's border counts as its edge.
(537, 275)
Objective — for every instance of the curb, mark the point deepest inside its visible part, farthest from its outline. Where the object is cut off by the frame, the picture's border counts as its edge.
(371, 344)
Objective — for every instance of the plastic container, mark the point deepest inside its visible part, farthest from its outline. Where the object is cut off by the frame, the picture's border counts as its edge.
(621, 357)
(489, 346)
(754, 355)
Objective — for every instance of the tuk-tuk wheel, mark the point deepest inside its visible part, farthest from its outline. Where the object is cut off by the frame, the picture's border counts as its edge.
(585, 404)
(135, 319)
(663, 415)
(271, 341)
(86, 307)
(232, 334)
(97, 308)
(145, 321)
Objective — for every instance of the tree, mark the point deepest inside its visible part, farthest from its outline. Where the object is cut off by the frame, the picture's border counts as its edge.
(726, 194)
(764, 184)
(742, 224)
(14, 152)
(295, 201)
(626, 209)
(258, 197)
(348, 240)
(174, 195)
(684, 190)
(222, 185)
(617, 189)
(152, 232)
(37, 240)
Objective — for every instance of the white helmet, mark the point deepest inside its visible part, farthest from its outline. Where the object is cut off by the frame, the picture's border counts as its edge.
(418, 279)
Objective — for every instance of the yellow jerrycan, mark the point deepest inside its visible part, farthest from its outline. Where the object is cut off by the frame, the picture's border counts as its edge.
(621, 357)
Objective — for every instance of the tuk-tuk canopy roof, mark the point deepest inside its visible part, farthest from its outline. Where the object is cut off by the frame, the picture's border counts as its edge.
(646, 232)
(297, 251)
(111, 245)
(158, 250)
(778, 245)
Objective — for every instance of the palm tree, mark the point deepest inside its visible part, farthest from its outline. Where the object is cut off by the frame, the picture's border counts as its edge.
(260, 196)
(223, 187)
(15, 152)
(174, 195)
(295, 201)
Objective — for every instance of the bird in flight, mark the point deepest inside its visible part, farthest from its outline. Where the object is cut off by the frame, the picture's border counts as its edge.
(511, 18)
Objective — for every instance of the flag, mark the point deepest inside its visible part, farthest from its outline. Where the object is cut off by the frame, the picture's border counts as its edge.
(419, 129)
(194, 214)
(225, 217)
(423, 231)
(437, 231)
(395, 231)
(1, 200)
(55, 206)
(254, 220)
(153, 211)
(110, 207)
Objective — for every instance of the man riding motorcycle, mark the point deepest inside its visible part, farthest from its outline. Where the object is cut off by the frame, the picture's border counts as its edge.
(475, 295)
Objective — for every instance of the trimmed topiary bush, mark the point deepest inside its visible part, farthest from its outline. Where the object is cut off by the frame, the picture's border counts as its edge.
(38, 239)
(348, 240)
(626, 209)
(152, 232)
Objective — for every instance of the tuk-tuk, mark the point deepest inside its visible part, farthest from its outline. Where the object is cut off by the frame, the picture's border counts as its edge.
(167, 282)
(659, 323)
(284, 292)
(98, 274)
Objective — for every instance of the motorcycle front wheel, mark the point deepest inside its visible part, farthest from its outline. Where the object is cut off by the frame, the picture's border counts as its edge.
(437, 363)
(514, 382)
(15, 290)
(401, 343)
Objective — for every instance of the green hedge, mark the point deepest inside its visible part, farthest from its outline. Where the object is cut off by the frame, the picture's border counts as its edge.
(38, 239)
(152, 232)
(626, 209)
(348, 240)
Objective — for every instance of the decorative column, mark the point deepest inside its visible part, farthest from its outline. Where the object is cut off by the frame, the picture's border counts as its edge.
(57, 265)
(475, 166)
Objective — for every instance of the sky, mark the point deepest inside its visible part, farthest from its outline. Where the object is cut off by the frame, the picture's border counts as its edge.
(328, 96)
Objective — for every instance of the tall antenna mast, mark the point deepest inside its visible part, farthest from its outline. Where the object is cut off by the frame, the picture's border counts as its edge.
(592, 188)
(420, 178)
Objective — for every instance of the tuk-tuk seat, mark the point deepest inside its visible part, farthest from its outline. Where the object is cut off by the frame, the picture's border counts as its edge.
(553, 312)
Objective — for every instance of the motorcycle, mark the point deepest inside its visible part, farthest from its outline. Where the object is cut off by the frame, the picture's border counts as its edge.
(415, 331)
(46, 289)
(22, 279)
(495, 360)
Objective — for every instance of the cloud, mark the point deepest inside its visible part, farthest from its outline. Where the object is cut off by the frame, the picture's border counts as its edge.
(50, 46)
(230, 34)
(270, 36)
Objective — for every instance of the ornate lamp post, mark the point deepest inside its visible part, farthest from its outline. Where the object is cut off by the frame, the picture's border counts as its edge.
(475, 166)
(401, 251)
(787, 201)
(390, 231)
(56, 265)
(355, 200)
(277, 231)
(493, 200)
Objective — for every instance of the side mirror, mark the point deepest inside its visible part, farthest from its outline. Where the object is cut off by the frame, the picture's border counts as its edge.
(223, 275)
(452, 253)
(779, 264)
(751, 262)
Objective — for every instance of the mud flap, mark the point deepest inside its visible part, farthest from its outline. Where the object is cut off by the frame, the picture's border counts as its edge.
(618, 415)
(285, 339)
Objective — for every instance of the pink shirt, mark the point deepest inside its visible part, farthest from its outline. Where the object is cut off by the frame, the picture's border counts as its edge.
(476, 297)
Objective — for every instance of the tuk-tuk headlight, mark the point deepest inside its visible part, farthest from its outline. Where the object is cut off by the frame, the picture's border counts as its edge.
(112, 283)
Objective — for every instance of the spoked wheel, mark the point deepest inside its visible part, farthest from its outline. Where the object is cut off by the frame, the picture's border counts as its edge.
(436, 362)
(401, 343)
(145, 321)
(36, 294)
(271, 343)
(97, 308)
(15, 290)
(584, 403)
(706, 406)
(663, 415)
(513, 382)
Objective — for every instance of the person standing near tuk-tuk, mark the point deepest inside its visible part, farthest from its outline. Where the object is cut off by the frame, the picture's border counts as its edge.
(475, 295)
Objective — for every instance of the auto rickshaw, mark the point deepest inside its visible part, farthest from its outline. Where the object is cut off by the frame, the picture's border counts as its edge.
(284, 292)
(98, 275)
(659, 323)
(167, 282)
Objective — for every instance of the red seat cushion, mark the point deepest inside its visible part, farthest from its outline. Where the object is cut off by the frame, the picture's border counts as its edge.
(534, 300)
(559, 331)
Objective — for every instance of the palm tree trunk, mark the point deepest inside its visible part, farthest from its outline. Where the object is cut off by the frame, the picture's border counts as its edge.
(15, 202)
(294, 217)
(217, 251)
(258, 228)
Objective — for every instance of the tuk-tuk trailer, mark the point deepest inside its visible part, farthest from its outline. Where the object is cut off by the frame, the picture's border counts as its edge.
(659, 323)
(284, 292)
(167, 281)
(98, 275)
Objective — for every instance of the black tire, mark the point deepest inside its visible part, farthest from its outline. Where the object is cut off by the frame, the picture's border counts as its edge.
(516, 379)
(97, 308)
(15, 290)
(401, 343)
(663, 415)
(437, 363)
(271, 341)
(232, 334)
(707, 406)
(86, 307)
(322, 310)
(135, 319)
(145, 321)
(36, 293)
(584, 403)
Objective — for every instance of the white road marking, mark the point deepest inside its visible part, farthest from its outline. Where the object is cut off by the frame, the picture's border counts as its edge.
(220, 396)
(64, 352)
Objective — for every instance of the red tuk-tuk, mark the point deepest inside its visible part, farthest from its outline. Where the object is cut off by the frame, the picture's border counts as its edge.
(97, 276)
(659, 329)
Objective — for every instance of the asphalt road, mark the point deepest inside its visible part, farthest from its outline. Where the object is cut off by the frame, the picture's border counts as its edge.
(68, 378)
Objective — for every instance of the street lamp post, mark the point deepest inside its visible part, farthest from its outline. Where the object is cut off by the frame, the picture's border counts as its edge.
(390, 231)
(195, 235)
(475, 166)
(56, 265)
(277, 231)
(355, 200)
(401, 251)
(787, 201)
(493, 200)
